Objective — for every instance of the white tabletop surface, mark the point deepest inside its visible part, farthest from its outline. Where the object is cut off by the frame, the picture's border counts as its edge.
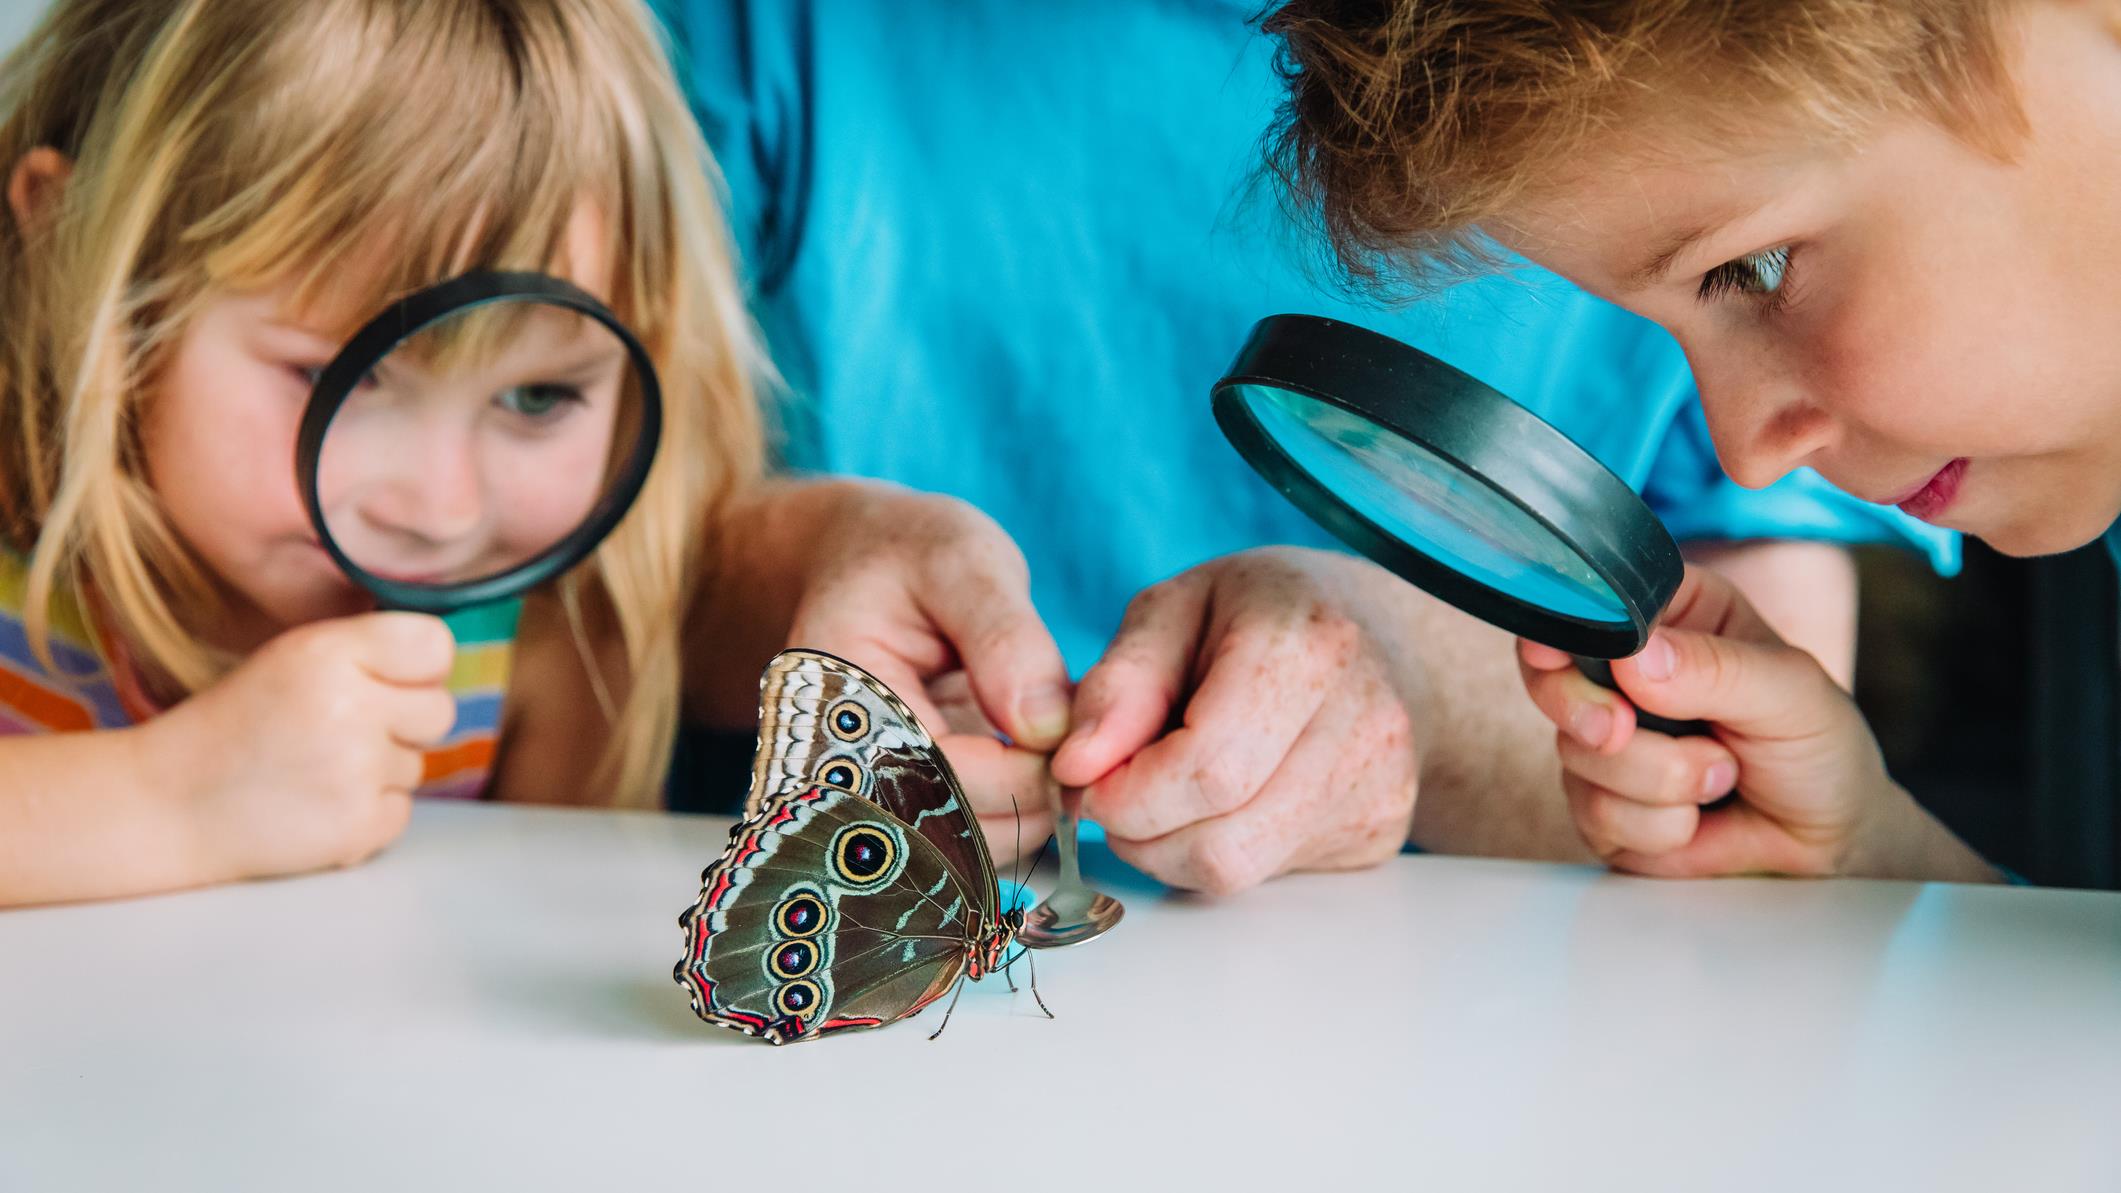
(491, 1002)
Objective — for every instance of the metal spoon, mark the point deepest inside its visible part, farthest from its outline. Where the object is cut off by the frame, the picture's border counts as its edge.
(1071, 912)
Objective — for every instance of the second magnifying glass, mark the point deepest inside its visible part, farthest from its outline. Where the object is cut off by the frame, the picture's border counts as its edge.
(477, 439)
(1454, 487)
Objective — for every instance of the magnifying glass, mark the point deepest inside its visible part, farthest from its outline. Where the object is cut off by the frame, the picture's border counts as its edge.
(477, 439)
(1453, 487)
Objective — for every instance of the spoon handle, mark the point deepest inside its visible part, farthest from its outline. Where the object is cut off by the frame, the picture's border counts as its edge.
(1071, 799)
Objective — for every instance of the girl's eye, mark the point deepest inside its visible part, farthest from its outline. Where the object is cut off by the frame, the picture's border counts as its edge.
(311, 374)
(1762, 274)
(537, 401)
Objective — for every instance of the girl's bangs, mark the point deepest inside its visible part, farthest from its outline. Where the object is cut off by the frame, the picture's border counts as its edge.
(396, 185)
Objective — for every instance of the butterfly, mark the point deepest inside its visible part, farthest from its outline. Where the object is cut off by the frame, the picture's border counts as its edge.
(857, 888)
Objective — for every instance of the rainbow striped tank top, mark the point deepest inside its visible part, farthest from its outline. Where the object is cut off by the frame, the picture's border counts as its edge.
(89, 692)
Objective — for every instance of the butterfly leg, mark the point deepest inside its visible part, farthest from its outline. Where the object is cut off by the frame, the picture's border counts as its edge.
(1033, 963)
(947, 1011)
(1008, 976)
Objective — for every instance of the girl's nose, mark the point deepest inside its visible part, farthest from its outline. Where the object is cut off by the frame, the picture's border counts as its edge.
(435, 496)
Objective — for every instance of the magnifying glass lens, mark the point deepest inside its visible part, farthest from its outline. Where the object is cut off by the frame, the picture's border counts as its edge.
(482, 443)
(1453, 487)
(1431, 504)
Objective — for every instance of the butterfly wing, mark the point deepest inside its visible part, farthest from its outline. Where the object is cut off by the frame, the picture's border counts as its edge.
(825, 913)
(825, 722)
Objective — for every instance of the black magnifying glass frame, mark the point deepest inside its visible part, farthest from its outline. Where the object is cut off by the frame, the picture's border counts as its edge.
(384, 334)
(1492, 441)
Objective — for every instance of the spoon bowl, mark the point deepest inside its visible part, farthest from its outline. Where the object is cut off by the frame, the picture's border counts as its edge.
(1071, 912)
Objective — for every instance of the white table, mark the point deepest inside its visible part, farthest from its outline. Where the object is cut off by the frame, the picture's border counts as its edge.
(491, 1002)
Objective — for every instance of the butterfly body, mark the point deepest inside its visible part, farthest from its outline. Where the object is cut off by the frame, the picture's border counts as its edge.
(857, 889)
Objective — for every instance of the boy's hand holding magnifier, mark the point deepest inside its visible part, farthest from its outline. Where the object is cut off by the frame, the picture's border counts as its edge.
(1813, 796)
(1460, 491)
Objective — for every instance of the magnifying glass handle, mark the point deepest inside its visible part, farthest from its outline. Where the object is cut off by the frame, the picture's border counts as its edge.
(485, 622)
(1600, 672)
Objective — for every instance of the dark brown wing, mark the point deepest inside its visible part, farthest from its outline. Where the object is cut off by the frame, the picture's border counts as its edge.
(826, 913)
(825, 722)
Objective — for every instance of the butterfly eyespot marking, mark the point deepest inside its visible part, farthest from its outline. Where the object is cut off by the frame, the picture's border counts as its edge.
(863, 854)
(800, 915)
(848, 721)
(798, 998)
(843, 774)
(792, 959)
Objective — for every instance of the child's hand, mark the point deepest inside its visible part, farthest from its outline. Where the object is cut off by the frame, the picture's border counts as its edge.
(1813, 794)
(306, 756)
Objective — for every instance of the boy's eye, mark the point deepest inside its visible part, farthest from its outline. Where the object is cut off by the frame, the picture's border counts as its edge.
(537, 401)
(1761, 273)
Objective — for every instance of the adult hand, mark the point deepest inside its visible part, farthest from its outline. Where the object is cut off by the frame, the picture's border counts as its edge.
(1253, 716)
(933, 597)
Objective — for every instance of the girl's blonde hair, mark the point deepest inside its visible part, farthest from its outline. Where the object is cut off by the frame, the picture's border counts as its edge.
(1407, 123)
(216, 144)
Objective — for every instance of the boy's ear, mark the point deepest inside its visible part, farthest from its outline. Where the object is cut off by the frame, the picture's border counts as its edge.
(33, 189)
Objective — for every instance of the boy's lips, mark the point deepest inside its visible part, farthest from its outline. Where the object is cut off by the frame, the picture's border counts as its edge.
(1929, 499)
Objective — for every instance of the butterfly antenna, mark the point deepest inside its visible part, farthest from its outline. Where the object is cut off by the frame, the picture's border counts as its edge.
(952, 1008)
(1018, 877)
(1016, 882)
(1040, 856)
(1036, 858)
(1008, 970)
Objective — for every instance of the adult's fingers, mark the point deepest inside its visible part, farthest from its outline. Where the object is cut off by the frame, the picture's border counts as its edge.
(1126, 700)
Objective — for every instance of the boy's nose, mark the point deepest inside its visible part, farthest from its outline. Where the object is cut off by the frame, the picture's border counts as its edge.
(1765, 430)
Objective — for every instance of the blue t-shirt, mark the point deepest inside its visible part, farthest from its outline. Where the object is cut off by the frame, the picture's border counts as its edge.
(1002, 250)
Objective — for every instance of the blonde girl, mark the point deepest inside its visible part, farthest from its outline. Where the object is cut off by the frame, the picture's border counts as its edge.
(204, 198)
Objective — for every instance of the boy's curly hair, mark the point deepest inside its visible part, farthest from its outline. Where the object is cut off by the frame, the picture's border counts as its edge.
(1407, 123)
